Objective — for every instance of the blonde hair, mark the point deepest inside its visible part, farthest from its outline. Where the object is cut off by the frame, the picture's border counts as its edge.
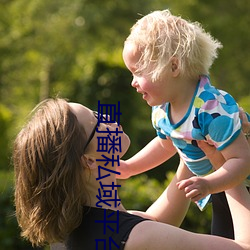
(49, 191)
(160, 36)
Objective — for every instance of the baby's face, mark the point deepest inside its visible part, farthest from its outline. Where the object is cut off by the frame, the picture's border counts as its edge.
(154, 93)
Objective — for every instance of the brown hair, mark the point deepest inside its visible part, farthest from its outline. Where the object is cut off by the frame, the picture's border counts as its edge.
(49, 191)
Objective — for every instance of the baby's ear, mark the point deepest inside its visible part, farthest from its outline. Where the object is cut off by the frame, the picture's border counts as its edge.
(175, 66)
(90, 161)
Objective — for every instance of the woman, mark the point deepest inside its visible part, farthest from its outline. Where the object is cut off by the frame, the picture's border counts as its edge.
(59, 181)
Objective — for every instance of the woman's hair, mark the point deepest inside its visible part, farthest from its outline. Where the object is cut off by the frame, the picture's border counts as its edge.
(160, 36)
(49, 191)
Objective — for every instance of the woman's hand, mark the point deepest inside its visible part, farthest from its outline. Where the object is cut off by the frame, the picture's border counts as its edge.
(245, 124)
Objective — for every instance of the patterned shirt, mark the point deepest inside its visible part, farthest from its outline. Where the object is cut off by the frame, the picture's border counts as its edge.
(213, 115)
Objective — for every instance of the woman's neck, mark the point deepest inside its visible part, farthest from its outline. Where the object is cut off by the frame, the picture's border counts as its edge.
(102, 188)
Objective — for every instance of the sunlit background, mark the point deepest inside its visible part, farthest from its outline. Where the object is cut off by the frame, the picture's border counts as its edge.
(72, 49)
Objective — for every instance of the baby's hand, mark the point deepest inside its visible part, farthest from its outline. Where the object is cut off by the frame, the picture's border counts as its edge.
(195, 187)
(123, 169)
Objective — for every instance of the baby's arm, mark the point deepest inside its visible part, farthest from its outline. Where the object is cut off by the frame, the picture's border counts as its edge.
(234, 171)
(153, 154)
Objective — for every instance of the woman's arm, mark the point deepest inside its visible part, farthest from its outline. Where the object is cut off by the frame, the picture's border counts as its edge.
(234, 171)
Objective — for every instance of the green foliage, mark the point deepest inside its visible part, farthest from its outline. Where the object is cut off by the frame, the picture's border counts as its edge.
(139, 192)
(245, 103)
(9, 231)
(228, 22)
(73, 48)
(5, 123)
(197, 221)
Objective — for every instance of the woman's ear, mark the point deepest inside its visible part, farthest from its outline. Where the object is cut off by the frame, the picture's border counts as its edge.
(90, 161)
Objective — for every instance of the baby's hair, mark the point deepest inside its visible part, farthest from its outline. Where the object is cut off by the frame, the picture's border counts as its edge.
(47, 158)
(161, 36)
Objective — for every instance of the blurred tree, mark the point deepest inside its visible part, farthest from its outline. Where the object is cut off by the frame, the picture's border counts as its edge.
(51, 47)
(5, 123)
(72, 48)
(228, 22)
(244, 102)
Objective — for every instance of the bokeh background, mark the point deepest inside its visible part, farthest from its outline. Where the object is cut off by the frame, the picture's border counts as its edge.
(72, 48)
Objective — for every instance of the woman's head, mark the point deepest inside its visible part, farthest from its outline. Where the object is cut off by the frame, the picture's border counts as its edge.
(161, 36)
(50, 157)
(47, 157)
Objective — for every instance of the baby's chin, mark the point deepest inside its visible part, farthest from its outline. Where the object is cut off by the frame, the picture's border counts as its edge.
(125, 144)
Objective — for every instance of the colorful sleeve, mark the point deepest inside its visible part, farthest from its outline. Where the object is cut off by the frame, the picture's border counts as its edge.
(159, 122)
(219, 119)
